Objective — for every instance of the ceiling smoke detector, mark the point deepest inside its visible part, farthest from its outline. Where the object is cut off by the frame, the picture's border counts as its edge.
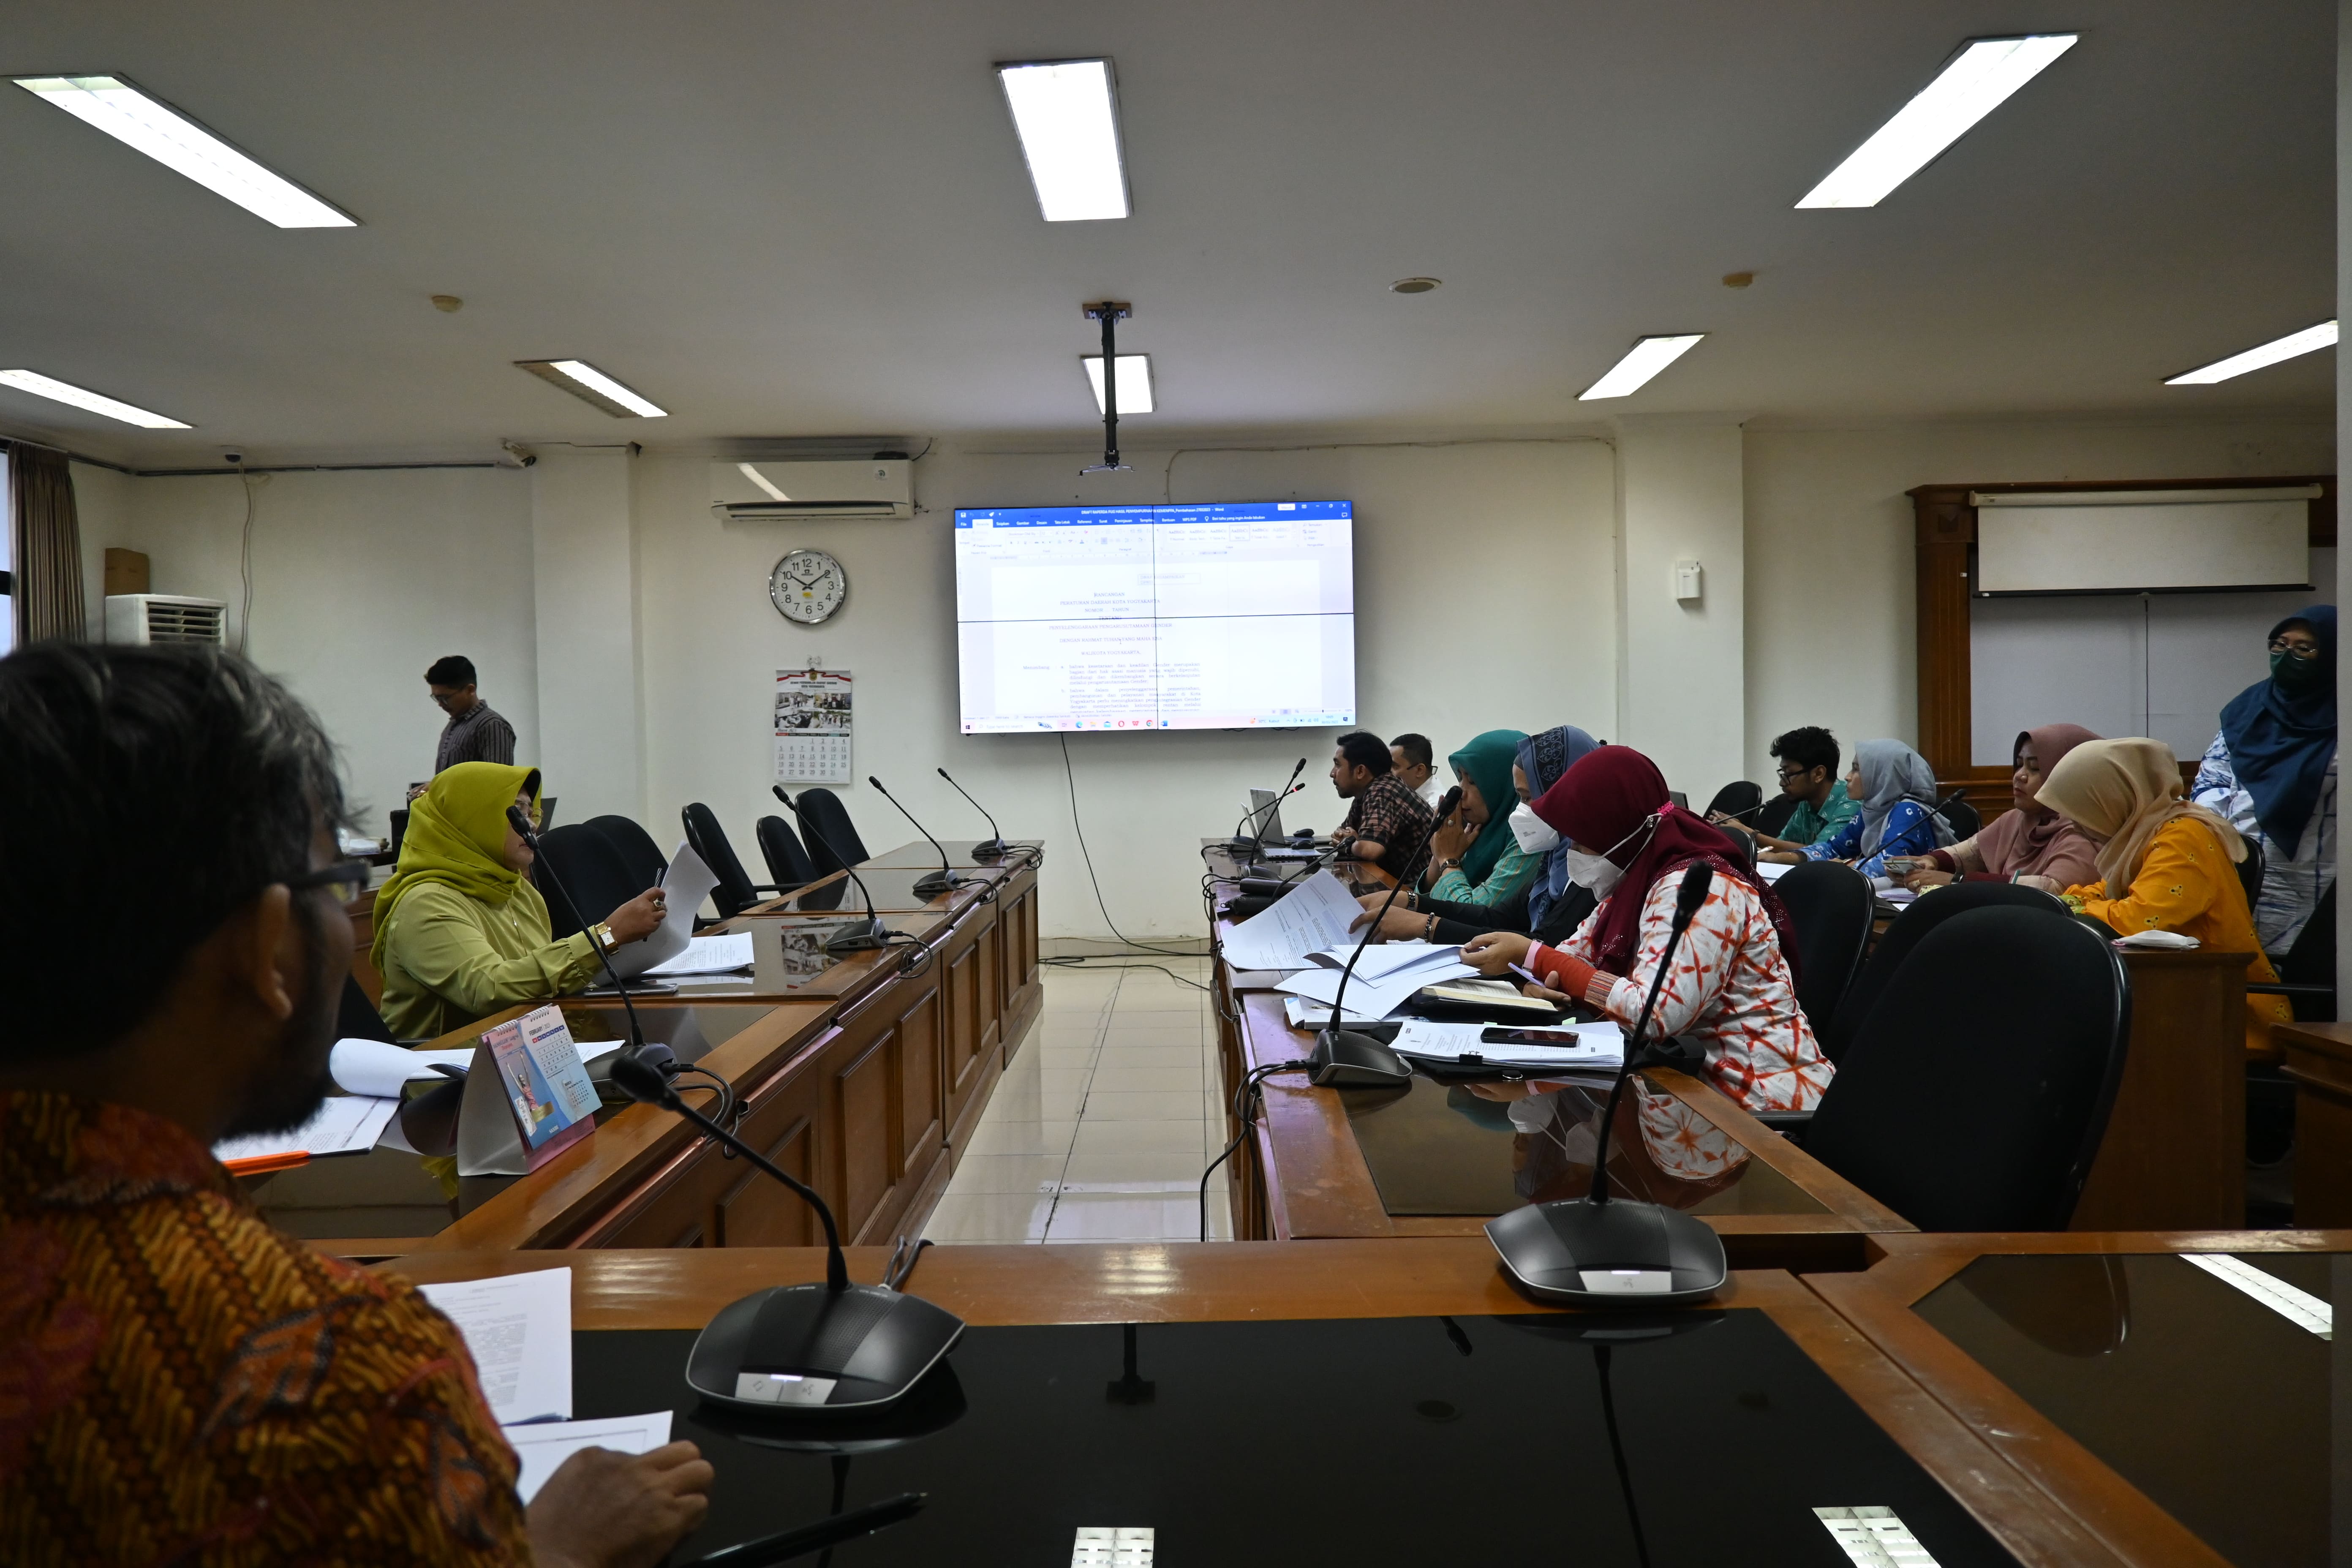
(1414, 285)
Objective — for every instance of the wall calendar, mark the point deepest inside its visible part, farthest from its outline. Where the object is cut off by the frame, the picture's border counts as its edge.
(813, 719)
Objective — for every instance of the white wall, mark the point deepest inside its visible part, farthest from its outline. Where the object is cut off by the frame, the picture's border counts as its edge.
(1682, 699)
(1829, 557)
(360, 580)
(1482, 595)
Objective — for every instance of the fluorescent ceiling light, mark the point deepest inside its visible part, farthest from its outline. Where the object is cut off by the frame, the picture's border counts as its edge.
(40, 385)
(1134, 383)
(586, 382)
(2303, 342)
(1976, 83)
(178, 143)
(1067, 114)
(1642, 360)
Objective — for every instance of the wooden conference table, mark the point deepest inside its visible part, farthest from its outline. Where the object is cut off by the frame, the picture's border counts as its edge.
(862, 1080)
(2043, 1400)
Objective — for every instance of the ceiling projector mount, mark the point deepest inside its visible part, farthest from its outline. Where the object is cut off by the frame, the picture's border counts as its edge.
(1109, 312)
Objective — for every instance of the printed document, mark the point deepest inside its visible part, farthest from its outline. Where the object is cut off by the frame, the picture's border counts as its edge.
(346, 1124)
(542, 1446)
(1312, 916)
(1380, 997)
(379, 1068)
(519, 1328)
(686, 883)
(1586, 1047)
(710, 955)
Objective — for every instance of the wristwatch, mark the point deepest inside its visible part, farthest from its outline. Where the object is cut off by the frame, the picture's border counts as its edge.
(601, 935)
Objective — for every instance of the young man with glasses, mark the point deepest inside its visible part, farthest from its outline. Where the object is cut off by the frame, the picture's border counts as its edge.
(1809, 772)
(182, 1381)
(476, 732)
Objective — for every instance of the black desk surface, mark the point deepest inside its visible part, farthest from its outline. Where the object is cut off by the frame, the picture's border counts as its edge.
(1472, 1441)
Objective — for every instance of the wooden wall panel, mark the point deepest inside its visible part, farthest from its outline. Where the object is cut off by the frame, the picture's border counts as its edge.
(863, 1141)
(758, 1210)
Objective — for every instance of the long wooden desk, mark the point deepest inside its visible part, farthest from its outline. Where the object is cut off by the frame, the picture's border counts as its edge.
(862, 1080)
(2182, 1417)
(2319, 1063)
(1452, 1280)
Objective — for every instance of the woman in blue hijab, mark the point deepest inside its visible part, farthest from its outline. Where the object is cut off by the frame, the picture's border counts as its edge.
(2271, 773)
(1541, 760)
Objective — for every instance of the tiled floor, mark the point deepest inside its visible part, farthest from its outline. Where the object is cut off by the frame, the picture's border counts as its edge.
(1100, 1131)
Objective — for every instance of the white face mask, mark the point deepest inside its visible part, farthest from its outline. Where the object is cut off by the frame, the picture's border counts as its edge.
(1535, 836)
(1597, 873)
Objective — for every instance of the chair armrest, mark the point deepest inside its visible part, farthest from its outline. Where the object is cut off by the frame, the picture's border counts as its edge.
(1788, 1124)
(2268, 988)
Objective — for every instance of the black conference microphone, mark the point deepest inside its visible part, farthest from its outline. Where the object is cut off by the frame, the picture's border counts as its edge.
(931, 884)
(834, 1348)
(521, 822)
(872, 934)
(1342, 1058)
(1241, 844)
(994, 848)
(1599, 1250)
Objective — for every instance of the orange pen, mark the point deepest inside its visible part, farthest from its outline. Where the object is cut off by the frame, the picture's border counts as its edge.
(261, 1164)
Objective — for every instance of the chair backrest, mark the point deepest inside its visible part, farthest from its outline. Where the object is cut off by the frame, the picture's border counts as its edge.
(1776, 813)
(546, 811)
(2311, 960)
(1976, 1093)
(735, 892)
(638, 851)
(1739, 795)
(2250, 871)
(1966, 820)
(1830, 903)
(789, 865)
(399, 820)
(831, 836)
(1932, 910)
(592, 873)
(356, 1017)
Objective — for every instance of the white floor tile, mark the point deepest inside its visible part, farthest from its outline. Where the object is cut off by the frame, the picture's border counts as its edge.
(1135, 1165)
(1025, 1099)
(1119, 1137)
(1119, 1077)
(1029, 1173)
(1128, 1217)
(1144, 1105)
(1002, 1135)
(976, 1218)
(1116, 1057)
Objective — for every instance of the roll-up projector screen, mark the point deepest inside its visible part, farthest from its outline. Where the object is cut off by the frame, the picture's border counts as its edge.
(2143, 541)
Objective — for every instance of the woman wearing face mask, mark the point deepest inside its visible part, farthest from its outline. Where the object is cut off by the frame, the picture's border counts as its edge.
(2165, 863)
(1551, 906)
(2031, 840)
(1733, 990)
(1898, 792)
(2271, 773)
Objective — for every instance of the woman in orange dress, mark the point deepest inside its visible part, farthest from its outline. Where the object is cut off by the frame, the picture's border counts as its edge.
(2164, 864)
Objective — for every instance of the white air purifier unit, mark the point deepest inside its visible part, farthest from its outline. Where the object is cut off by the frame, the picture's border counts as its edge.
(142, 618)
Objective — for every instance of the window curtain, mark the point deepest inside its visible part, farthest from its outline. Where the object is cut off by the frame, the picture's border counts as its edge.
(48, 538)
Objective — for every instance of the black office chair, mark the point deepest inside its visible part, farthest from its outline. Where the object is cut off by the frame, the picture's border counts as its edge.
(1830, 903)
(830, 835)
(1736, 798)
(2307, 971)
(356, 1017)
(637, 850)
(1775, 813)
(399, 820)
(592, 872)
(788, 863)
(1966, 820)
(736, 892)
(1908, 928)
(546, 811)
(1975, 1096)
(2250, 873)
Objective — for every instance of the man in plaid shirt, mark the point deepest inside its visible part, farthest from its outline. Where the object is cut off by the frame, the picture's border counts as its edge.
(1382, 813)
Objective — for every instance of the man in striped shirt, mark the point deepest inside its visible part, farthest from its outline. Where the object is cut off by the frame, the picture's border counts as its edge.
(476, 732)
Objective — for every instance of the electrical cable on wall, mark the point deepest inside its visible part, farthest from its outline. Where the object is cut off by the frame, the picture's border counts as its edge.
(1140, 947)
(245, 560)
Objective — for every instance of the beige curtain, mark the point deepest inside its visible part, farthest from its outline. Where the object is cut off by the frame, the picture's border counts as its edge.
(48, 537)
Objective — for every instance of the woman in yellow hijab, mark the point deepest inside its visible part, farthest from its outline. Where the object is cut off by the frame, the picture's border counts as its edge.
(461, 932)
(2164, 864)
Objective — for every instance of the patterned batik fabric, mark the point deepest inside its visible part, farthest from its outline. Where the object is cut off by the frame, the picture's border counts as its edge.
(1392, 816)
(182, 1384)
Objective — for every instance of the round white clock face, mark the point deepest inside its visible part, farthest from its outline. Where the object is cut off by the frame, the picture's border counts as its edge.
(808, 586)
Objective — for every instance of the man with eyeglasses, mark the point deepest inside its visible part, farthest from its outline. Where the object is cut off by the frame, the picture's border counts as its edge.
(1809, 772)
(476, 732)
(179, 1381)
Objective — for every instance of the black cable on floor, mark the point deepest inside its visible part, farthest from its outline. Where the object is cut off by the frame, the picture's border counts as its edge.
(1252, 1083)
(1072, 777)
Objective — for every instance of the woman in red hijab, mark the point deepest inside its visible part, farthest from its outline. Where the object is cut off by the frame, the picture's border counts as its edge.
(1732, 990)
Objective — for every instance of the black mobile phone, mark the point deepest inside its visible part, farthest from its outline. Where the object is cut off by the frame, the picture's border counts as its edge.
(1501, 1036)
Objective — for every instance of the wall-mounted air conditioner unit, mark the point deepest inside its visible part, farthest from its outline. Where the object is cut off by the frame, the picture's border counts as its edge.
(775, 491)
(165, 618)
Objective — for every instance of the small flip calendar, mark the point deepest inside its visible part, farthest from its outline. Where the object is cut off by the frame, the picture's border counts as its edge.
(812, 726)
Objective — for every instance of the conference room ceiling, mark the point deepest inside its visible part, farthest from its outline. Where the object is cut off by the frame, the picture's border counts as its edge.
(799, 219)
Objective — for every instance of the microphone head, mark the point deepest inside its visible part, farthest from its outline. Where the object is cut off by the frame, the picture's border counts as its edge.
(640, 1079)
(779, 794)
(876, 782)
(1697, 878)
(943, 774)
(1446, 803)
(518, 821)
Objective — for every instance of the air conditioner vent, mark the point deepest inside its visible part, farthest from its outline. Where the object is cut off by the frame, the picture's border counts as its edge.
(149, 618)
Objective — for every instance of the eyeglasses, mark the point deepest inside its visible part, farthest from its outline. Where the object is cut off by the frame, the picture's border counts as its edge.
(347, 879)
(2300, 649)
(1787, 774)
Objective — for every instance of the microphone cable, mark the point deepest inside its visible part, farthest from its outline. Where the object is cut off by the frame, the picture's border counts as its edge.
(1247, 1094)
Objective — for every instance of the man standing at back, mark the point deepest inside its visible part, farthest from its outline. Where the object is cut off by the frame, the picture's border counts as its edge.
(476, 732)
(179, 1381)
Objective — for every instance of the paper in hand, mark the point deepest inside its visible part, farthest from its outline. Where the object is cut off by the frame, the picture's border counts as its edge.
(542, 1446)
(684, 885)
(519, 1328)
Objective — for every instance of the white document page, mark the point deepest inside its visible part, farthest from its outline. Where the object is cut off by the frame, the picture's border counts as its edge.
(1306, 1015)
(542, 1446)
(1316, 914)
(1597, 1047)
(1385, 959)
(710, 955)
(1379, 997)
(687, 883)
(378, 1069)
(1771, 870)
(346, 1124)
(519, 1328)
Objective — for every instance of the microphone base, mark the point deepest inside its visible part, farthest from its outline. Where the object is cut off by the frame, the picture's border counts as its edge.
(991, 849)
(932, 884)
(866, 936)
(1242, 849)
(806, 1350)
(1613, 1253)
(1343, 1058)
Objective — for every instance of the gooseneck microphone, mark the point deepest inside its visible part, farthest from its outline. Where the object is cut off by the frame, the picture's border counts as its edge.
(1344, 1058)
(871, 934)
(834, 1348)
(993, 849)
(521, 822)
(1596, 1251)
(1257, 817)
(931, 884)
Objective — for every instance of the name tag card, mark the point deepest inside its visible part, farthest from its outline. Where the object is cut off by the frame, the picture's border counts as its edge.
(527, 1098)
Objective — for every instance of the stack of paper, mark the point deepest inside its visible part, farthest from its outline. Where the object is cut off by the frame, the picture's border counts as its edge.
(710, 955)
(1379, 995)
(346, 1124)
(1313, 916)
(1771, 872)
(379, 1068)
(1571, 1050)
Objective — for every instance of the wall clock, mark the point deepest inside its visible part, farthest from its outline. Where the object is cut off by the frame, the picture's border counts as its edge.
(808, 586)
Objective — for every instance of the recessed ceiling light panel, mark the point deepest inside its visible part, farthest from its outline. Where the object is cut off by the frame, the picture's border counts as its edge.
(140, 121)
(2288, 347)
(1134, 384)
(40, 385)
(1416, 285)
(1067, 115)
(1976, 81)
(586, 382)
(1642, 360)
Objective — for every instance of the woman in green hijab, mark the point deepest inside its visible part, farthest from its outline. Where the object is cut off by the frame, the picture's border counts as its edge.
(461, 932)
(1475, 858)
